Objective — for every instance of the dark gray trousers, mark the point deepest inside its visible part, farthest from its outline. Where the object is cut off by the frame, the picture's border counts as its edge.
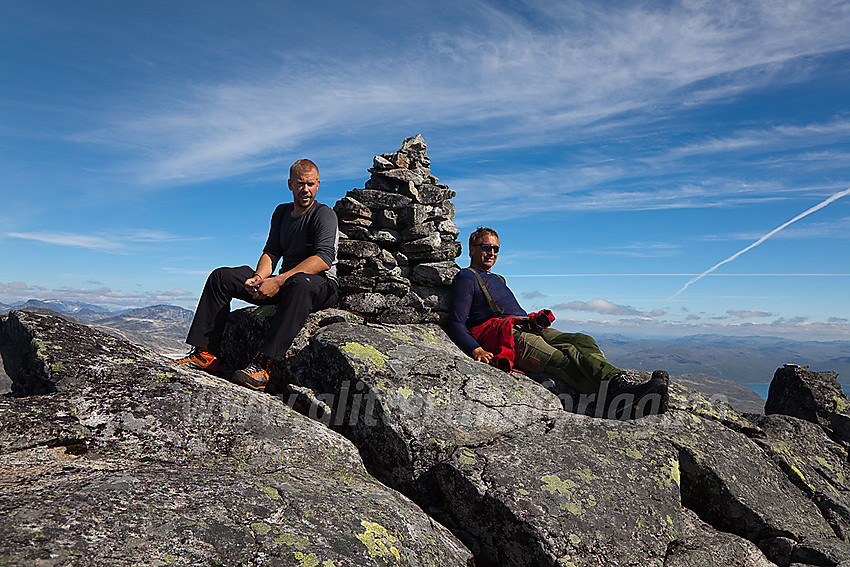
(297, 298)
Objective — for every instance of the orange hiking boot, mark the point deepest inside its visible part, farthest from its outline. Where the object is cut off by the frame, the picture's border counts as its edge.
(199, 358)
(256, 374)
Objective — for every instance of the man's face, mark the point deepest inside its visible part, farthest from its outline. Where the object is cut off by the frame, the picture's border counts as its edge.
(304, 187)
(483, 260)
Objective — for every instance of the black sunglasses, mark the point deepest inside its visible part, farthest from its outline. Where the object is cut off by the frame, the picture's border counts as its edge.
(488, 247)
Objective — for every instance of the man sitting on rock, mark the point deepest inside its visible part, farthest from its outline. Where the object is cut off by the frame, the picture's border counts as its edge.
(487, 323)
(304, 235)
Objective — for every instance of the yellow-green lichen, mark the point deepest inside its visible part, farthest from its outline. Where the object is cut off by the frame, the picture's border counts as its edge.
(441, 394)
(554, 485)
(405, 392)
(675, 471)
(467, 457)
(291, 540)
(571, 499)
(260, 528)
(307, 559)
(586, 475)
(428, 336)
(634, 453)
(366, 352)
(40, 349)
(378, 541)
(841, 404)
(272, 492)
(58, 367)
(798, 474)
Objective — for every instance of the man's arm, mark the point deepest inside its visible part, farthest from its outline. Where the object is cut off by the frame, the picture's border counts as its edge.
(463, 289)
(267, 285)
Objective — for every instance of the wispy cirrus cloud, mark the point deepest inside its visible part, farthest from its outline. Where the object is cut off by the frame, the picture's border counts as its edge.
(523, 76)
(116, 243)
(67, 239)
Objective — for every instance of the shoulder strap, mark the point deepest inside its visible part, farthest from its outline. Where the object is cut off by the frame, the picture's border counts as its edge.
(497, 311)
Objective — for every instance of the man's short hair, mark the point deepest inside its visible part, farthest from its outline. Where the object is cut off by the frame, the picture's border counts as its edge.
(479, 234)
(302, 166)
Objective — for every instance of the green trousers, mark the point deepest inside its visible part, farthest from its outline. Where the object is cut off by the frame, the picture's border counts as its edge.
(573, 357)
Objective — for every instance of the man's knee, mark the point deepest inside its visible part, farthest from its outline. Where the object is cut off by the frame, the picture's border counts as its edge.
(302, 283)
(224, 277)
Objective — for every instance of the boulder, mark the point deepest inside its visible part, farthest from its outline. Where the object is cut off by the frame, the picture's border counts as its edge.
(813, 396)
(703, 546)
(814, 462)
(131, 458)
(522, 482)
(730, 483)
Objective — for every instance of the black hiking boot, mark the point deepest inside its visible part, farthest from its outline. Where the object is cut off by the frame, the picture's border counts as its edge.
(632, 395)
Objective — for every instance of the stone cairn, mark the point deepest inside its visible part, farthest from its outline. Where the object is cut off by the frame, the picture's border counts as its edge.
(398, 241)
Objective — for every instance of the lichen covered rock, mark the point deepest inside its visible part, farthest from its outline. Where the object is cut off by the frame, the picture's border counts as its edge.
(133, 458)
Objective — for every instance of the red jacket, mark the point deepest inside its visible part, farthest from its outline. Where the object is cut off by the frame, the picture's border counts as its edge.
(496, 335)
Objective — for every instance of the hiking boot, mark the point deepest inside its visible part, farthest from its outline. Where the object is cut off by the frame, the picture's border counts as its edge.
(662, 386)
(199, 358)
(256, 374)
(643, 392)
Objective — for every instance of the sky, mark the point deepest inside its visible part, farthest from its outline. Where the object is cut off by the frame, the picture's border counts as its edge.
(636, 158)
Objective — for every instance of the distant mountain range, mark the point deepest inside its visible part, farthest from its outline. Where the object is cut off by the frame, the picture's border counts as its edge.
(161, 328)
(744, 360)
(715, 365)
(78, 310)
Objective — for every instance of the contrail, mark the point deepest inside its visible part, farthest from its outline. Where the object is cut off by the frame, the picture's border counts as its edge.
(763, 238)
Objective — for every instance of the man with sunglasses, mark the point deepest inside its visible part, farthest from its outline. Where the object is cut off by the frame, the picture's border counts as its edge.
(488, 324)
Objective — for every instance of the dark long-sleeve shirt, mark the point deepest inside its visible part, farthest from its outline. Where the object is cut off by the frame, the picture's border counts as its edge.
(470, 307)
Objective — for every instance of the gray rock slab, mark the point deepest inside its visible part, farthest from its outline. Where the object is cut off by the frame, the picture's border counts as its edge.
(521, 481)
(734, 486)
(61, 509)
(408, 396)
(815, 463)
(134, 460)
(703, 546)
(574, 491)
(813, 396)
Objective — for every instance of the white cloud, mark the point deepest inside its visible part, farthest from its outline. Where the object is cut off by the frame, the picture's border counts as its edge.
(533, 295)
(748, 314)
(66, 239)
(522, 77)
(607, 308)
(117, 243)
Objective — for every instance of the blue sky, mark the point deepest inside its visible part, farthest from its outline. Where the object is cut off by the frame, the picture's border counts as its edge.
(621, 149)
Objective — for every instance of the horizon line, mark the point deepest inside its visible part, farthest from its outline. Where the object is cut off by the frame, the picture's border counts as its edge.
(670, 275)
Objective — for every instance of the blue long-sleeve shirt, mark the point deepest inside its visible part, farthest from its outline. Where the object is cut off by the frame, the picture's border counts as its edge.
(470, 308)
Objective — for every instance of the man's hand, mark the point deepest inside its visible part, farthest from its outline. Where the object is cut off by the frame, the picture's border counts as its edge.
(482, 355)
(262, 288)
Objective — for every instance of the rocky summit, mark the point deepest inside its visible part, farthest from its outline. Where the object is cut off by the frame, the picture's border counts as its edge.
(378, 442)
(383, 444)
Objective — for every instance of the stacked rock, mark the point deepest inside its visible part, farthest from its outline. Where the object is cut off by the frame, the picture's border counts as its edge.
(398, 241)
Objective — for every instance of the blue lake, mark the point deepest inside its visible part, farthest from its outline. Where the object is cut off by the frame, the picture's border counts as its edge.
(760, 389)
